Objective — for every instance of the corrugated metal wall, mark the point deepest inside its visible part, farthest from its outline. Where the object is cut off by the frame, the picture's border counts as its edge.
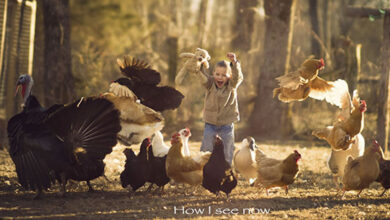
(17, 49)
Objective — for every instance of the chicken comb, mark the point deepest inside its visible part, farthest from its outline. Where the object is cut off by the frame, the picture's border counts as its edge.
(363, 102)
(322, 62)
(175, 135)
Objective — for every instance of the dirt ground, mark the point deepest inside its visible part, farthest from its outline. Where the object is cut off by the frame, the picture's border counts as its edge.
(312, 196)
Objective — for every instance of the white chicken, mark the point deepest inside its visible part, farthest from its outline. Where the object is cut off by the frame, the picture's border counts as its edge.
(185, 134)
(244, 159)
(160, 149)
(338, 159)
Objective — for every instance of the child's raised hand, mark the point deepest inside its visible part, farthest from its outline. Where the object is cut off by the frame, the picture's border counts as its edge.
(232, 57)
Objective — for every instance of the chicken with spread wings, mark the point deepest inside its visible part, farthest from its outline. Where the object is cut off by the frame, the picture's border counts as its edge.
(349, 122)
(305, 82)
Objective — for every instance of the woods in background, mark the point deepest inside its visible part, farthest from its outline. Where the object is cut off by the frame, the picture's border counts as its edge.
(270, 38)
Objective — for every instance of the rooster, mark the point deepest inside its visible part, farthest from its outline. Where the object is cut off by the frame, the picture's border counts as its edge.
(62, 142)
(136, 170)
(349, 122)
(384, 172)
(360, 172)
(305, 82)
(143, 80)
(138, 121)
(338, 159)
(276, 173)
(184, 169)
(217, 173)
(244, 159)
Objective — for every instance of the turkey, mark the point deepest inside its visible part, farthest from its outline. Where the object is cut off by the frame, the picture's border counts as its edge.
(143, 81)
(62, 142)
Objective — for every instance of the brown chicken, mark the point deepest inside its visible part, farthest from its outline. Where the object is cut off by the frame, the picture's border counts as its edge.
(304, 82)
(276, 173)
(384, 172)
(137, 121)
(359, 173)
(184, 169)
(349, 123)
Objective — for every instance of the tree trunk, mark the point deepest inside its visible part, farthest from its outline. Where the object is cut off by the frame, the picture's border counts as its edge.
(39, 58)
(59, 82)
(202, 22)
(244, 26)
(383, 105)
(315, 46)
(270, 116)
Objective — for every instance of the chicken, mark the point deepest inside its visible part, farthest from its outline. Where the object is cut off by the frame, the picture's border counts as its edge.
(138, 121)
(217, 173)
(349, 123)
(160, 149)
(62, 142)
(244, 159)
(143, 80)
(185, 134)
(136, 170)
(276, 173)
(157, 154)
(338, 159)
(360, 172)
(384, 172)
(184, 169)
(305, 82)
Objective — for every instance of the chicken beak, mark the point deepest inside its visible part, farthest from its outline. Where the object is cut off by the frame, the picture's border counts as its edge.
(17, 89)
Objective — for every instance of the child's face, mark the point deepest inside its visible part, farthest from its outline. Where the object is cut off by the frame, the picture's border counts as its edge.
(220, 76)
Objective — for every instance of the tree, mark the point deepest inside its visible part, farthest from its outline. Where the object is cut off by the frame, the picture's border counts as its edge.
(244, 26)
(269, 118)
(59, 87)
(315, 46)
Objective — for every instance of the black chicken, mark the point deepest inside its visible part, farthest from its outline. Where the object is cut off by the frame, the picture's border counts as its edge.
(62, 142)
(143, 80)
(217, 173)
(135, 173)
(157, 173)
(384, 172)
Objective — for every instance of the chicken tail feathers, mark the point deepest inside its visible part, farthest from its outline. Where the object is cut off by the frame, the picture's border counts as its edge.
(88, 126)
(138, 70)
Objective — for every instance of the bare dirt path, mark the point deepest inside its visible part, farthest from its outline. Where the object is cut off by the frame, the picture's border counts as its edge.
(312, 196)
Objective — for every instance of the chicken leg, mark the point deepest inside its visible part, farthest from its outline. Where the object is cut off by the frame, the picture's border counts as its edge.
(384, 191)
(38, 195)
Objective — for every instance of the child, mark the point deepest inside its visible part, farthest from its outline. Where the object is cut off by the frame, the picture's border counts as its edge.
(220, 106)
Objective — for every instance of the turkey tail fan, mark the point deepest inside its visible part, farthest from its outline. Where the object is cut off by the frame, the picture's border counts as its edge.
(139, 71)
(33, 173)
(89, 125)
(163, 98)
